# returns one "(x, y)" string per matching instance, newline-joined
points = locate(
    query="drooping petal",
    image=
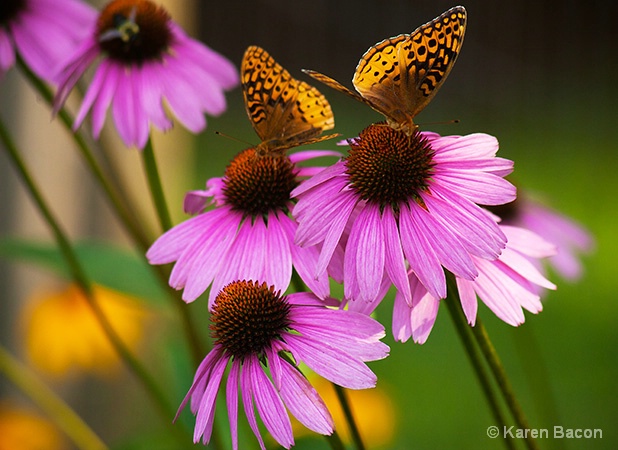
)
(246, 389)
(7, 54)
(467, 297)
(401, 321)
(304, 402)
(204, 418)
(448, 249)
(365, 255)
(395, 260)
(420, 255)
(278, 264)
(269, 404)
(231, 396)
(305, 261)
(424, 313)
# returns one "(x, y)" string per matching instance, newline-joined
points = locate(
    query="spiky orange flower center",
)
(247, 317)
(134, 31)
(257, 185)
(388, 167)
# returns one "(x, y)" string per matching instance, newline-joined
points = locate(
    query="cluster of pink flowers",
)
(409, 211)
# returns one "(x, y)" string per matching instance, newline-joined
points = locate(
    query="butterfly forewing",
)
(427, 57)
(284, 112)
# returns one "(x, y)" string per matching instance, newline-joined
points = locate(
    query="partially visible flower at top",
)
(22, 429)
(505, 285)
(63, 336)
(42, 32)
(401, 202)
(570, 238)
(255, 328)
(147, 60)
(249, 233)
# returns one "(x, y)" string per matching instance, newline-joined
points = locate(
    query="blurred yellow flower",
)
(373, 411)
(21, 429)
(62, 333)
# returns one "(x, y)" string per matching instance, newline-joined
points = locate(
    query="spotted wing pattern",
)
(399, 76)
(284, 112)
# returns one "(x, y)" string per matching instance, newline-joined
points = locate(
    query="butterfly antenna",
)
(233, 138)
(446, 122)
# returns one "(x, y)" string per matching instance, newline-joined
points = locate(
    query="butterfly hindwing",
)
(428, 56)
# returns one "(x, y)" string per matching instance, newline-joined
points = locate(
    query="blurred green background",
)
(543, 78)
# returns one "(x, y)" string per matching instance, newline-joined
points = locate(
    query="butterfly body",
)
(285, 112)
(399, 76)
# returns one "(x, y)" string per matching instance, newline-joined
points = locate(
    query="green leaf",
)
(105, 264)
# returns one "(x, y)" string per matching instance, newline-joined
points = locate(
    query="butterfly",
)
(285, 112)
(399, 76)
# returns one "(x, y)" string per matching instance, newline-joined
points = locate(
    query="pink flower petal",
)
(232, 401)
(365, 255)
(331, 363)
(420, 255)
(269, 404)
(304, 402)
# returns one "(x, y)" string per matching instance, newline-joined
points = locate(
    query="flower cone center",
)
(388, 167)
(9, 9)
(247, 317)
(134, 31)
(256, 185)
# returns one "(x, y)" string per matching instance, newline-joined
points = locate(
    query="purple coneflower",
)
(248, 235)
(505, 285)
(401, 202)
(261, 332)
(42, 32)
(148, 60)
(569, 237)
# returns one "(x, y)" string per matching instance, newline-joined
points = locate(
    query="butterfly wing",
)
(284, 112)
(401, 75)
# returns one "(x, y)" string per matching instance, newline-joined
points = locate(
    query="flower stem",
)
(83, 282)
(335, 441)
(535, 369)
(495, 364)
(347, 413)
(66, 419)
(461, 325)
(118, 206)
(156, 189)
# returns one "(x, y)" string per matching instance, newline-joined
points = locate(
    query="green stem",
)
(158, 197)
(533, 365)
(156, 189)
(347, 413)
(118, 205)
(335, 441)
(495, 364)
(461, 325)
(83, 282)
(66, 419)
(121, 208)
